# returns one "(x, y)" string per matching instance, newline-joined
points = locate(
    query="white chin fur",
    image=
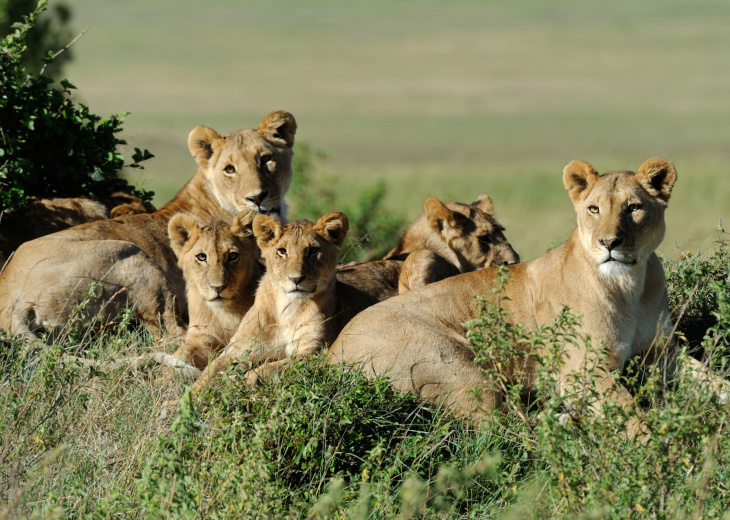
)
(611, 269)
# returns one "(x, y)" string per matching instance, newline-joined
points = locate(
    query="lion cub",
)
(296, 297)
(449, 239)
(221, 270)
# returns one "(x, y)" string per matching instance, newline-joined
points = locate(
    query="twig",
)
(64, 49)
(6, 262)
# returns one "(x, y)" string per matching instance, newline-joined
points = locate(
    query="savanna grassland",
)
(433, 98)
(437, 99)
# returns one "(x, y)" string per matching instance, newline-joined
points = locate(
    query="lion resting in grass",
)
(128, 261)
(40, 217)
(296, 300)
(607, 271)
(467, 235)
(220, 263)
(447, 239)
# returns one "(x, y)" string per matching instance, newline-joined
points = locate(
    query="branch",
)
(50, 60)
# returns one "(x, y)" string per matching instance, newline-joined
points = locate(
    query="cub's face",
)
(216, 258)
(248, 169)
(620, 214)
(301, 257)
(471, 232)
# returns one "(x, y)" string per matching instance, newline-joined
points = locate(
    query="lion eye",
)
(485, 239)
(201, 257)
(281, 251)
(229, 169)
(232, 257)
(593, 209)
(633, 208)
(313, 251)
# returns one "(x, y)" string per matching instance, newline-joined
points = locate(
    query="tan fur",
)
(296, 298)
(42, 217)
(449, 239)
(446, 240)
(607, 271)
(221, 269)
(475, 239)
(130, 256)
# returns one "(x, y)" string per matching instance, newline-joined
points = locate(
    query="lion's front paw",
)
(253, 379)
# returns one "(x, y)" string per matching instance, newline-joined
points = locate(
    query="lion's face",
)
(216, 258)
(621, 213)
(248, 169)
(471, 232)
(301, 256)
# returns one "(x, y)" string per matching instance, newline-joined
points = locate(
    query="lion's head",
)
(251, 168)
(301, 256)
(217, 258)
(471, 232)
(620, 213)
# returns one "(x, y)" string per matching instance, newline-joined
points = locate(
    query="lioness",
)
(41, 217)
(221, 269)
(607, 271)
(128, 260)
(447, 239)
(297, 297)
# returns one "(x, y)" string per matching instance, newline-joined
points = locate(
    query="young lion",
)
(447, 239)
(220, 265)
(297, 296)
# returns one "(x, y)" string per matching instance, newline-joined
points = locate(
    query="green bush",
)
(694, 282)
(273, 452)
(51, 33)
(49, 146)
(586, 466)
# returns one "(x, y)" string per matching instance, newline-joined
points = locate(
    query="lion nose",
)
(256, 199)
(296, 280)
(219, 288)
(610, 243)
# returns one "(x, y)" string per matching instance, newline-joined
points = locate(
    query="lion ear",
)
(267, 230)
(242, 225)
(440, 217)
(484, 203)
(578, 176)
(200, 143)
(657, 176)
(179, 230)
(279, 128)
(333, 227)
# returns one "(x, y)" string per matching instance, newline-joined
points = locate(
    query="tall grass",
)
(325, 442)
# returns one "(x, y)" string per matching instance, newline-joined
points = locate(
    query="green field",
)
(449, 99)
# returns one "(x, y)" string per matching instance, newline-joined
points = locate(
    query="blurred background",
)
(446, 99)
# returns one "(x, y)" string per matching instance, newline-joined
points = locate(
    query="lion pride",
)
(128, 261)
